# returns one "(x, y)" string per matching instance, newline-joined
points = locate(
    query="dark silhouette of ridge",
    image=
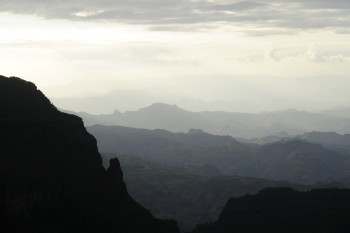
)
(51, 173)
(274, 210)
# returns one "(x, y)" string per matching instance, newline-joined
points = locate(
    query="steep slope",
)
(51, 174)
(276, 210)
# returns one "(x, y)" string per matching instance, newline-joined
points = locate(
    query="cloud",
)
(314, 53)
(327, 4)
(239, 6)
(281, 15)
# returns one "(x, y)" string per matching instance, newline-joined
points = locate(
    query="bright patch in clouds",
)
(166, 44)
(87, 13)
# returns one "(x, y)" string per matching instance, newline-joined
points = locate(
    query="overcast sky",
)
(279, 54)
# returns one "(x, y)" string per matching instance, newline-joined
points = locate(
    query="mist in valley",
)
(172, 116)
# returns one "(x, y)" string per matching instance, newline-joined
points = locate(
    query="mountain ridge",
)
(51, 173)
(246, 125)
(293, 160)
(284, 210)
(183, 193)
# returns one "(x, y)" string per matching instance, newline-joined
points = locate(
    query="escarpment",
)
(51, 173)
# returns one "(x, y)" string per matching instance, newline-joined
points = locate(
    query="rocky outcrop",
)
(285, 210)
(51, 174)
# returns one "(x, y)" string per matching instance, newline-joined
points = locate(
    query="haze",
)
(202, 55)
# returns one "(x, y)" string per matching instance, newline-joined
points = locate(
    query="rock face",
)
(275, 210)
(51, 174)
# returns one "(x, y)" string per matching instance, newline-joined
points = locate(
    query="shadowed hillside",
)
(275, 210)
(331, 140)
(292, 160)
(180, 194)
(52, 178)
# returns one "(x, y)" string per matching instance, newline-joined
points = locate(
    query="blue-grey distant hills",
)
(292, 160)
(330, 140)
(246, 125)
(340, 111)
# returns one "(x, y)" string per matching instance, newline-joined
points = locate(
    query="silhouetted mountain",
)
(247, 125)
(178, 193)
(292, 160)
(51, 173)
(275, 210)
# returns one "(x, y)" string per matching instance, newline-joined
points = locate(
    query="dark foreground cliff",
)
(275, 210)
(51, 174)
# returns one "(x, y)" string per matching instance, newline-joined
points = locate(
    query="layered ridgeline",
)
(246, 125)
(178, 193)
(51, 173)
(275, 210)
(292, 160)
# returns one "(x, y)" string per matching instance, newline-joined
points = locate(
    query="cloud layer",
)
(275, 16)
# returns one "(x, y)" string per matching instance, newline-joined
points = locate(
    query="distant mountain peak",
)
(195, 131)
(116, 112)
(161, 106)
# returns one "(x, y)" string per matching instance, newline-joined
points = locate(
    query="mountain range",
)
(52, 177)
(331, 140)
(246, 125)
(191, 195)
(292, 160)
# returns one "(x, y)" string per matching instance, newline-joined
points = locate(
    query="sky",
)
(226, 54)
